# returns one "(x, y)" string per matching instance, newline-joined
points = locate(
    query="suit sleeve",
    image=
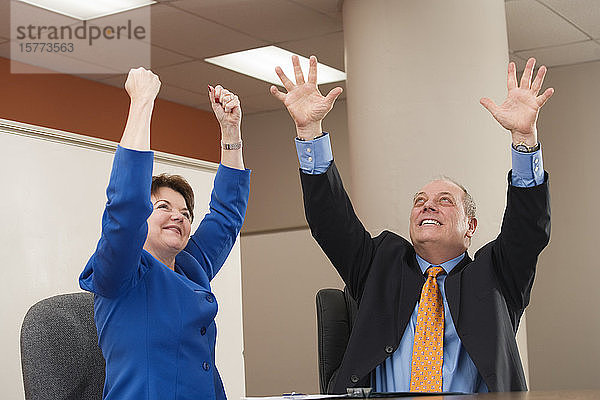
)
(211, 243)
(115, 265)
(524, 234)
(337, 229)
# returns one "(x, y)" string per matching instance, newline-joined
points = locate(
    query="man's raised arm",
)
(329, 212)
(526, 224)
(518, 114)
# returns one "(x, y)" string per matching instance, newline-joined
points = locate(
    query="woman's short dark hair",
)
(178, 184)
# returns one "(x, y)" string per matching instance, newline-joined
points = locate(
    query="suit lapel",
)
(412, 283)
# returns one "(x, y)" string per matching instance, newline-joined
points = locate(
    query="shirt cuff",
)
(527, 168)
(315, 156)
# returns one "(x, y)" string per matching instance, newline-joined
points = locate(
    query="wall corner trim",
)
(74, 139)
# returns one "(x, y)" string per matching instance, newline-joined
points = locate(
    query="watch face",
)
(522, 148)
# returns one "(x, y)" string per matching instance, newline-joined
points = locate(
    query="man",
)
(430, 318)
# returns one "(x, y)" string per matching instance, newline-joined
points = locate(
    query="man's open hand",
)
(519, 111)
(303, 100)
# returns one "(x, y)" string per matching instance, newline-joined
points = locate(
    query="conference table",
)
(593, 394)
(531, 395)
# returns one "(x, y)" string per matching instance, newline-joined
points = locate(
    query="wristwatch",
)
(316, 137)
(231, 146)
(523, 148)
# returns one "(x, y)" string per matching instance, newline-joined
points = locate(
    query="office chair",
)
(60, 356)
(336, 312)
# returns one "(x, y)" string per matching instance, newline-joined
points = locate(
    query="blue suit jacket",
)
(156, 326)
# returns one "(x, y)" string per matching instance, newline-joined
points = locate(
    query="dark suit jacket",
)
(486, 296)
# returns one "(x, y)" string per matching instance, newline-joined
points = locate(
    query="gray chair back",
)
(60, 356)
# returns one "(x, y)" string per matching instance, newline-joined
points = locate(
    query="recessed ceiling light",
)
(260, 63)
(86, 10)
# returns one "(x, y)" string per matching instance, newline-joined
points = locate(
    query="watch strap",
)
(523, 148)
(231, 146)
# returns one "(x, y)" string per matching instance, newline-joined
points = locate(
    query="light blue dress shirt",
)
(459, 373)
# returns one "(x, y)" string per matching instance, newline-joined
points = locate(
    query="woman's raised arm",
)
(142, 86)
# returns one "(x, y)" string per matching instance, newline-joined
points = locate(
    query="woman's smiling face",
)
(169, 225)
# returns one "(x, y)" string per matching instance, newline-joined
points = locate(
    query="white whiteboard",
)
(51, 203)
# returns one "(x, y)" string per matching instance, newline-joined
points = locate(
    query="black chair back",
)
(336, 312)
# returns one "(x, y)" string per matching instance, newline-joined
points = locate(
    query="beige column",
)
(416, 71)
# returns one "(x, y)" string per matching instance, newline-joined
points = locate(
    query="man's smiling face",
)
(438, 219)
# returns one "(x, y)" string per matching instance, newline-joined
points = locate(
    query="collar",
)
(447, 265)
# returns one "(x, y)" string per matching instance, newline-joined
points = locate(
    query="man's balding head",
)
(442, 220)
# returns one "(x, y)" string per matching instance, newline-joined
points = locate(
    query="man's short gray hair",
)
(468, 202)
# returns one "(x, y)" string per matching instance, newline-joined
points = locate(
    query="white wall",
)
(269, 150)
(51, 207)
(563, 319)
(282, 273)
(282, 266)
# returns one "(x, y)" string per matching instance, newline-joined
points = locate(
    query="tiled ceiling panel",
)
(566, 54)
(193, 36)
(333, 8)
(184, 32)
(269, 20)
(585, 14)
(183, 96)
(532, 25)
(329, 48)
(258, 103)
(196, 75)
(162, 57)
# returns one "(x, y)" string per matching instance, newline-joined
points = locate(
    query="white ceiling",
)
(184, 32)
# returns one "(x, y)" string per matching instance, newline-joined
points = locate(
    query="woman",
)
(154, 309)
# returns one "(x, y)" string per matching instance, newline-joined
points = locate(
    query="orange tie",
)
(428, 353)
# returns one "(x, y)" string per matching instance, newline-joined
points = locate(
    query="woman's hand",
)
(228, 111)
(142, 85)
